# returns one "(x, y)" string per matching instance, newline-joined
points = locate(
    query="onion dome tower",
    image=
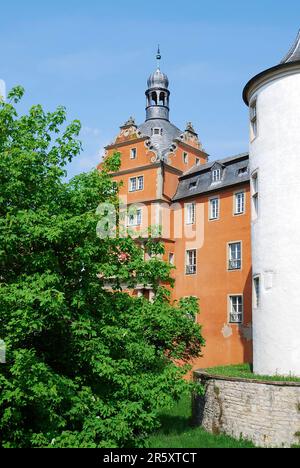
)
(273, 97)
(157, 125)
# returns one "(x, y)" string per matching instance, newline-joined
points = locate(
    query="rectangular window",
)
(235, 256)
(132, 184)
(190, 213)
(214, 208)
(136, 184)
(141, 183)
(216, 175)
(133, 153)
(239, 202)
(255, 194)
(236, 309)
(256, 292)
(171, 258)
(191, 262)
(135, 218)
(197, 161)
(185, 158)
(253, 120)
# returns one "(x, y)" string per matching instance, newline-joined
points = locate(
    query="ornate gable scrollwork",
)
(190, 137)
(128, 131)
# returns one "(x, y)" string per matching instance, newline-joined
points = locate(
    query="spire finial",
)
(158, 57)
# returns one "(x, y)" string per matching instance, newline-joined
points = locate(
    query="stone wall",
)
(266, 413)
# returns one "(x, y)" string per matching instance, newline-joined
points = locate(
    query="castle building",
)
(205, 210)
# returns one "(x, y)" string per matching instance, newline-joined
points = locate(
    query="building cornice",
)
(126, 143)
(267, 76)
(190, 147)
(147, 168)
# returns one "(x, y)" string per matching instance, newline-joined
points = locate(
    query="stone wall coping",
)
(210, 376)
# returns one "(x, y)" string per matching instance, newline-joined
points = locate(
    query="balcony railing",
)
(191, 269)
(235, 264)
(236, 318)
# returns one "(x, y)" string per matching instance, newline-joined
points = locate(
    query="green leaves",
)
(85, 367)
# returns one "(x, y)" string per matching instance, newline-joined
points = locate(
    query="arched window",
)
(154, 99)
(162, 98)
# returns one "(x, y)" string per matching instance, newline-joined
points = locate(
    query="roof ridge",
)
(206, 166)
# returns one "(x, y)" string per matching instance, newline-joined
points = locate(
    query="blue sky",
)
(94, 57)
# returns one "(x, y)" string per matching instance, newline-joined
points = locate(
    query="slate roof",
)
(198, 180)
(294, 53)
(161, 143)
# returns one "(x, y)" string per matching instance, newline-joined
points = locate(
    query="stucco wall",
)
(275, 154)
(266, 413)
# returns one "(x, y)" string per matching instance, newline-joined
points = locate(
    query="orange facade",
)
(203, 210)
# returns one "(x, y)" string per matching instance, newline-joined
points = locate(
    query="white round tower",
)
(274, 101)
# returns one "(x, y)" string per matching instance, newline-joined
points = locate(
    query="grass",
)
(177, 432)
(244, 371)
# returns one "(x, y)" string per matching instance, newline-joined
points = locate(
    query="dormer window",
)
(216, 175)
(243, 171)
(157, 131)
(193, 185)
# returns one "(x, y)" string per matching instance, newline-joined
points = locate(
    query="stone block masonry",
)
(266, 413)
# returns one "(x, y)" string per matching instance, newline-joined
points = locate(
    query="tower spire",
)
(158, 57)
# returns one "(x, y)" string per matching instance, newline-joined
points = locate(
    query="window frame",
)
(193, 266)
(137, 218)
(256, 297)
(255, 194)
(217, 179)
(173, 258)
(185, 157)
(253, 119)
(229, 244)
(210, 217)
(131, 153)
(137, 189)
(230, 309)
(190, 221)
(235, 194)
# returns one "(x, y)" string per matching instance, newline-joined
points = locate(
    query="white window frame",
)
(136, 217)
(256, 294)
(255, 194)
(190, 213)
(191, 267)
(214, 216)
(198, 161)
(133, 153)
(134, 184)
(185, 158)
(140, 186)
(239, 311)
(253, 120)
(236, 203)
(216, 175)
(234, 264)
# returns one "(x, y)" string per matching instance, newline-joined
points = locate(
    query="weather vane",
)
(158, 57)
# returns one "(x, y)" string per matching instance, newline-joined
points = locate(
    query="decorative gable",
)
(129, 131)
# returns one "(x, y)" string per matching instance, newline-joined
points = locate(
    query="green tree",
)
(85, 367)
